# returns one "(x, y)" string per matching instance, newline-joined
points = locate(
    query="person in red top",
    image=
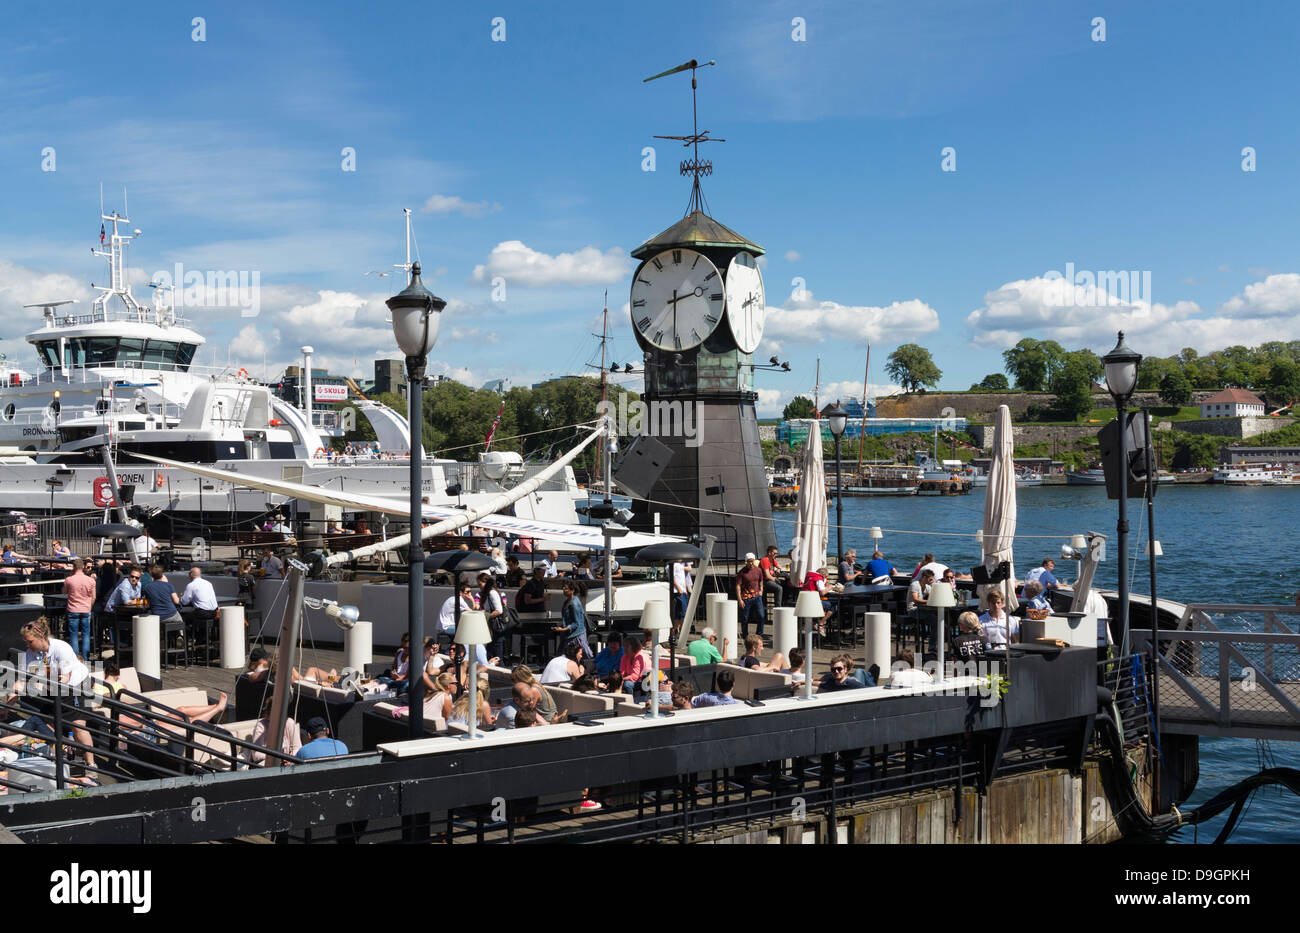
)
(815, 580)
(749, 593)
(633, 667)
(772, 576)
(79, 587)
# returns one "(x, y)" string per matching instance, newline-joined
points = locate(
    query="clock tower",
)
(697, 308)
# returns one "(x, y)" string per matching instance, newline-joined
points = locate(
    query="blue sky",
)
(523, 160)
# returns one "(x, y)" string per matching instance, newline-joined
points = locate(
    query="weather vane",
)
(692, 166)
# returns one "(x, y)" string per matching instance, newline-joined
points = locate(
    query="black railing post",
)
(58, 737)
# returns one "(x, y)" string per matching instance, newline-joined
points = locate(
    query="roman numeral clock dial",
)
(677, 299)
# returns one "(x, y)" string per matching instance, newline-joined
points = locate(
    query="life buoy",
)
(158, 480)
(100, 492)
(319, 454)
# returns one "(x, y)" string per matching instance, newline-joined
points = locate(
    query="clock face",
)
(677, 299)
(746, 306)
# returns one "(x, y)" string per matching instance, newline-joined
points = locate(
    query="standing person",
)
(514, 576)
(683, 581)
(447, 614)
(998, 626)
(144, 546)
(532, 595)
(749, 593)
(163, 601)
(772, 576)
(1044, 575)
(704, 649)
(80, 590)
(493, 606)
(574, 616)
(247, 584)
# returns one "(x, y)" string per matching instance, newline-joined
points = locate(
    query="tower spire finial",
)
(693, 166)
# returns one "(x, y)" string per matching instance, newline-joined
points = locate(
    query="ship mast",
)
(862, 434)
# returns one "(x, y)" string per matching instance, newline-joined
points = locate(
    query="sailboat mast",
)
(862, 434)
(817, 384)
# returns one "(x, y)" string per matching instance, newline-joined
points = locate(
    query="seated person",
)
(633, 667)
(795, 670)
(878, 570)
(840, 676)
(906, 673)
(608, 658)
(1034, 598)
(704, 649)
(290, 742)
(544, 701)
(751, 660)
(848, 569)
(969, 643)
(683, 693)
(724, 682)
(523, 697)
(321, 745)
(999, 628)
(259, 665)
(395, 677)
(514, 575)
(816, 580)
(587, 683)
(564, 667)
(162, 596)
(460, 709)
(919, 591)
(532, 595)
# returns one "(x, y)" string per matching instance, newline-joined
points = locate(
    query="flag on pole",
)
(101, 234)
(493, 430)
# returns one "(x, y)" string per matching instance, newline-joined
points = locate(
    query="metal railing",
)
(128, 740)
(1231, 667)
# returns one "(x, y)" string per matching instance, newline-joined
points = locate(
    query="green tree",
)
(1175, 387)
(1033, 362)
(912, 367)
(800, 407)
(993, 382)
(1283, 381)
(1071, 382)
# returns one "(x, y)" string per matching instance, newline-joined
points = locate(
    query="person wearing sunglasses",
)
(127, 591)
(840, 676)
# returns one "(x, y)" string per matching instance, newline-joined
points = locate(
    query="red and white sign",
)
(329, 393)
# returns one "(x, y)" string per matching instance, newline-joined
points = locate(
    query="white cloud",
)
(793, 256)
(21, 285)
(443, 204)
(805, 320)
(249, 344)
(762, 262)
(771, 402)
(1264, 311)
(521, 265)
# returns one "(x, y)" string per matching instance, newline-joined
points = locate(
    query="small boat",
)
(1256, 475)
(1092, 477)
(1028, 478)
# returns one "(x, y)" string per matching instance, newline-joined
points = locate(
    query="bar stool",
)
(171, 630)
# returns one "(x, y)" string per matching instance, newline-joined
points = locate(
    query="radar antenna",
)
(693, 166)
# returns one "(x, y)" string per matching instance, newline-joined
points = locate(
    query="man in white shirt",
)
(683, 580)
(551, 564)
(144, 547)
(199, 592)
(447, 614)
(906, 674)
(271, 565)
(935, 567)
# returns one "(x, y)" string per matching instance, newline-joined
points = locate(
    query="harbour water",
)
(1220, 545)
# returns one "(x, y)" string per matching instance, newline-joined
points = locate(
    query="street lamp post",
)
(1121, 379)
(838, 419)
(416, 315)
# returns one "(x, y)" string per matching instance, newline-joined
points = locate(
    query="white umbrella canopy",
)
(811, 521)
(1000, 509)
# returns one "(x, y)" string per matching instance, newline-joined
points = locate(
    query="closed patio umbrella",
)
(811, 522)
(1000, 509)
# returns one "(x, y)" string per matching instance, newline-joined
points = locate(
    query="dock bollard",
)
(876, 635)
(785, 632)
(145, 648)
(232, 636)
(357, 647)
(727, 625)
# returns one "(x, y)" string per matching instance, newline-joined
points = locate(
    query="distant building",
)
(496, 385)
(1232, 403)
(795, 432)
(1240, 455)
(390, 376)
(325, 389)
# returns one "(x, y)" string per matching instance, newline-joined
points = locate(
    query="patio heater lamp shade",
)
(876, 533)
(669, 551)
(654, 616)
(809, 605)
(1158, 550)
(114, 530)
(473, 628)
(457, 561)
(1079, 542)
(941, 596)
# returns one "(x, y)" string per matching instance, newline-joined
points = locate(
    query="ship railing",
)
(128, 740)
(1230, 666)
(1128, 679)
(103, 314)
